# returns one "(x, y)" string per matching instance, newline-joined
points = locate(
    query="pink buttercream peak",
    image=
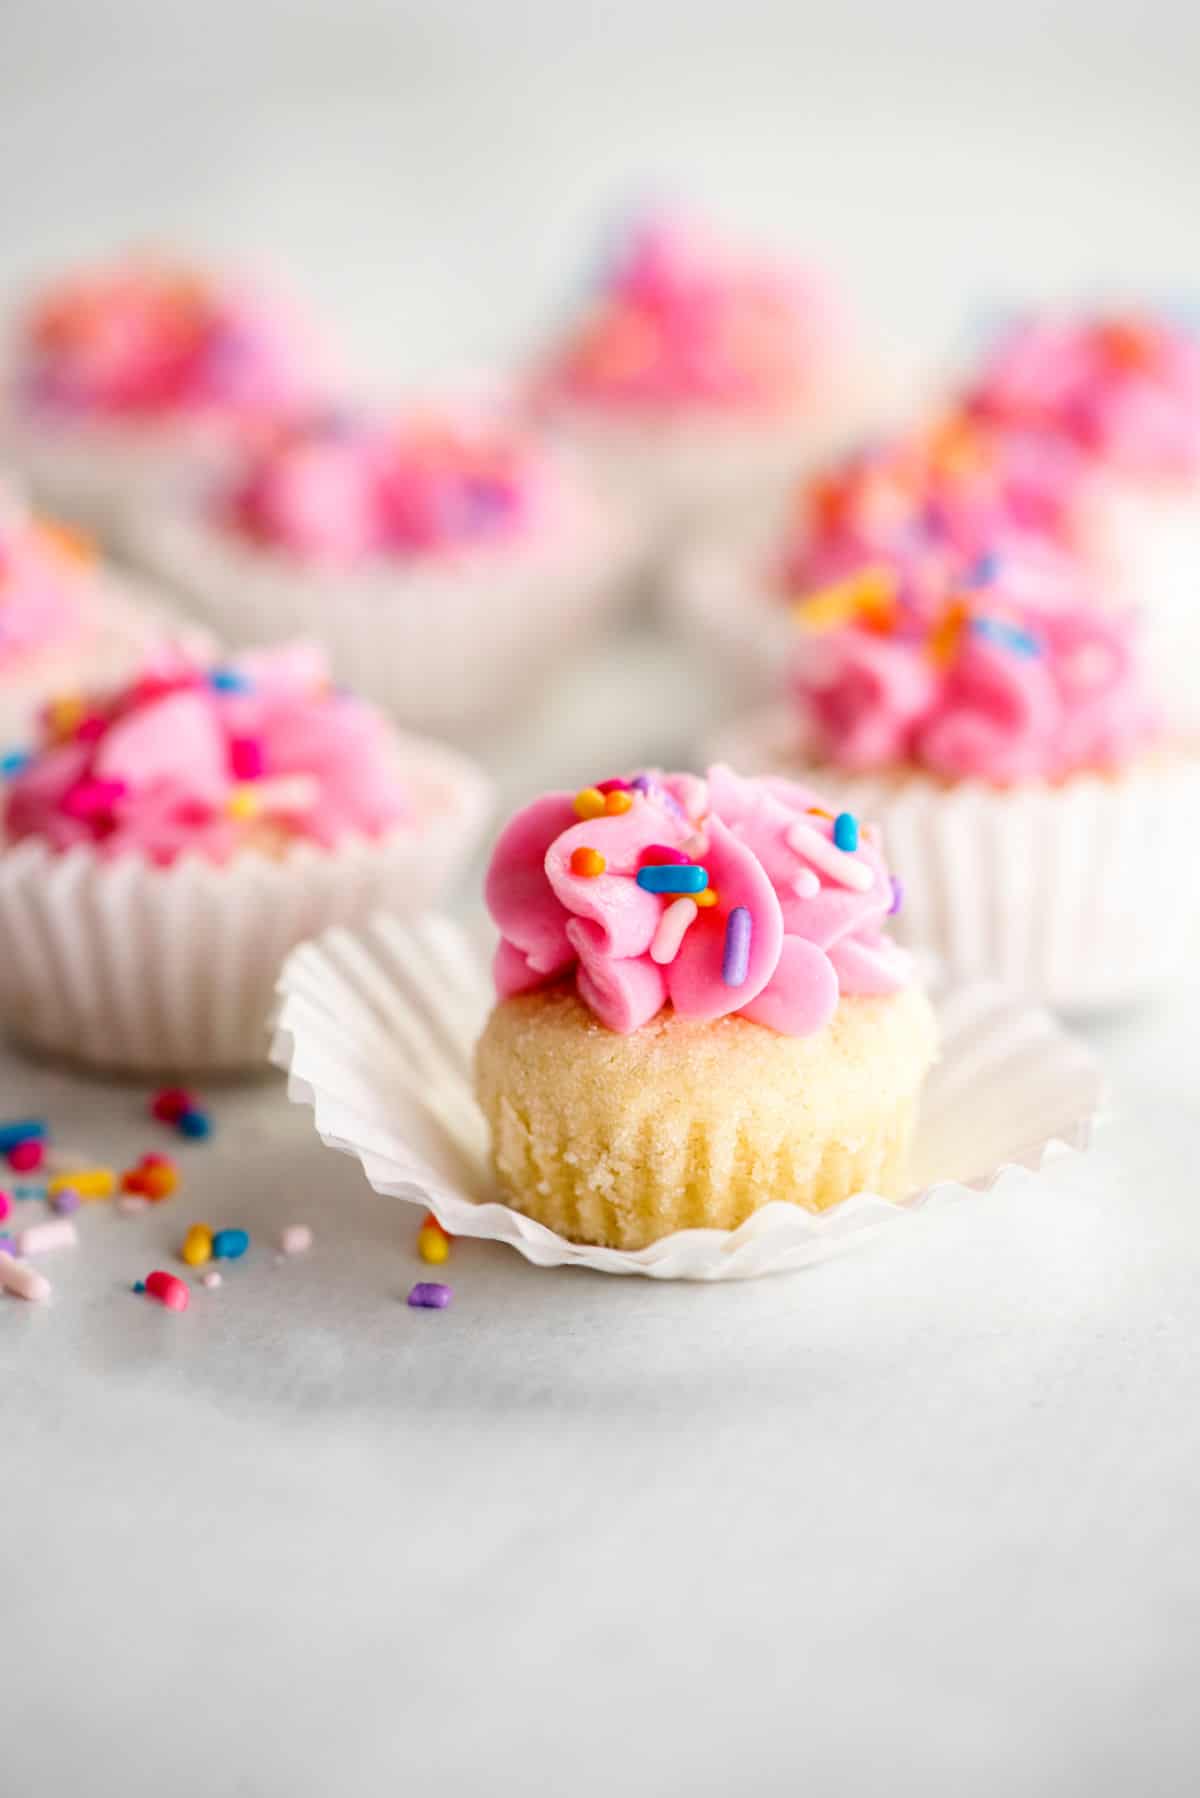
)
(635, 934)
(685, 320)
(1019, 674)
(343, 488)
(192, 760)
(144, 338)
(1122, 387)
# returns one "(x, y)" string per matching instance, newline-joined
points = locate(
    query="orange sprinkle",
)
(589, 803)
(588, 862)
(818, 811)
(71, 544)
(708, 897)
(945, 636)
(617, 801)
(870, 594)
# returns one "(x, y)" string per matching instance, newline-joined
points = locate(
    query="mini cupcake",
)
(699, 1009)
(442, 557)
(702, 376)
(904, 511)
(1120, 392)
(123, 377)
(1004, 736)
(65, 620)
(169, 844)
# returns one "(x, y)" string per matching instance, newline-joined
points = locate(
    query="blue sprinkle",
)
(230, 1245)
(12, 762)
(735, 963)
(139, 1286)
(985, 571)
(670, 877)
(23, 1130)
(845, 832)
(1008, 636)
(25, 1191)
(196, 1124)
(228, 680)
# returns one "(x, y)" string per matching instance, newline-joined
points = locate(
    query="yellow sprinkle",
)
(64, 715)
(870, 594)
(617, 801)
(243, 803)
(589, 803)
(432, 1245)
(708, 897)
(197, 1246)
(88, 1182)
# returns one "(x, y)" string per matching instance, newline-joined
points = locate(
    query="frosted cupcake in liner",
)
(701, 375)
(1119, 392)
(443, 557)
(1004, 737)
(66, 621)
(699, 1009)
(124, 377)
(172, 840)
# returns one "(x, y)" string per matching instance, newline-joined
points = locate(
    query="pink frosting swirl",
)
(46, 578)
(686, 321)
(189, 760)
(337, 488)
(1123, 388)
(808, 915)
(146, 340)
(1015, 678)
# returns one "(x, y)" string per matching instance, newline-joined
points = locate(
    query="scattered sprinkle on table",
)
(168, 1289)
(22, 1281)
(430, 1295)
(296, 1239)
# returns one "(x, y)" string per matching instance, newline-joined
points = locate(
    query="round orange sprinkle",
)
(617, 801)
(589, 803)
(708, 897)
(588, 862)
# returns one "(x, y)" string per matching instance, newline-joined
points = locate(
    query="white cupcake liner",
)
(125, 966)
(377, 1033)
(96, 473)
(123, 620)
(1082, 894)
(446, 649)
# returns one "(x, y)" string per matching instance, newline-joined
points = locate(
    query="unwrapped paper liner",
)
(1082, 895)
(377, 1032)
(122, 965)
(446, 648)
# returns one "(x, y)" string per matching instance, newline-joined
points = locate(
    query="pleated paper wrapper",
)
(377, 1031)
(129, 967)
(449, 649)
(1083, 894)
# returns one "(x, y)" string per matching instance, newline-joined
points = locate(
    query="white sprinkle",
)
(210, 1279)
(845, 869)
(23, 1282)
(59, 1233)
(130, 1203)
(672, 928)
(296, 1239)
(806, 884)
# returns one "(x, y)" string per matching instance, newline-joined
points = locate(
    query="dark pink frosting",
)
(1124, 388)
(816, 912)
(1020, 674)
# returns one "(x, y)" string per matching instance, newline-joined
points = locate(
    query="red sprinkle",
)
(24, 1157)
(169, 1104)
(429, 1222)
(168, 1290)
(656, 855)
(613, 786)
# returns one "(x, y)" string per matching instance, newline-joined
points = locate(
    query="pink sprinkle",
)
(90, 798)
(247, 758)
(23, 1157)
(92, 728)
(613, 786)
(5, 1205)
(657, 855)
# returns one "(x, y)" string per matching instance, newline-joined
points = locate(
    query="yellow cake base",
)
(622, 1139)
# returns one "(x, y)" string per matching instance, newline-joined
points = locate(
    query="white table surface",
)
(920, 1519)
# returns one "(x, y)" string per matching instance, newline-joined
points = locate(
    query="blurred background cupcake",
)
(1002, 731)
(700, 374)
(121, 377)
(167, 845)
(443, 556)
(66, 620)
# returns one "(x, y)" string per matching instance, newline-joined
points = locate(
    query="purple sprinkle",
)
(430, 1295)
(735, 964)
(66, 1201)
(897, 895)
(7, 1244)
